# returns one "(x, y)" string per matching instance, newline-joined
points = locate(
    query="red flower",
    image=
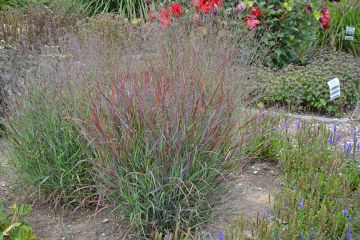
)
(256, 12)
(325, 19)
(207, 6)
(252, 22)
(165, 15)
(177, 9)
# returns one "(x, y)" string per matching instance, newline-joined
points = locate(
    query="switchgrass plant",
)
(167, 130)
(163, 116)
(47, 151)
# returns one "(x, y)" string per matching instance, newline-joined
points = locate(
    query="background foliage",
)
(345, 13)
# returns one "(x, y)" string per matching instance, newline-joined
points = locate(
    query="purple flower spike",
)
(221, 235)
(298, 126)
(349, 148)
(286, 126)
(331, 141)
(346, 212)
(338, 138)
(358, 146)
(302, 203)
(278, 236)
(350, 219)
(312, 235)
(349, 233)
(335, 128)
(167, 236)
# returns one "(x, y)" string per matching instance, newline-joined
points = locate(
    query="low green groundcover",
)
(305, 88)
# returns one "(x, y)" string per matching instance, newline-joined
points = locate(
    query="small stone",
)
(103, 234)
(255, 172)
(105, 220)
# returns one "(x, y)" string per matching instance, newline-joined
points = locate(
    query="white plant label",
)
(349, 38)
(334, 88)
(350, 30)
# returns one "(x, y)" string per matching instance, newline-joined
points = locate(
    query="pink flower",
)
(252, 22)
(195, 3)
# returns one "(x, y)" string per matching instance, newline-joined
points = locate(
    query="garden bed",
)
(143, 128)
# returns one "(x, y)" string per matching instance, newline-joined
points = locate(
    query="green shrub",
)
(305, 88)
(13, 226)
(47, 150)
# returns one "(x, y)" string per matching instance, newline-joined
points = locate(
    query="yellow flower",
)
(136, 22)
(287, 6)
(250, 3)
(317, 15)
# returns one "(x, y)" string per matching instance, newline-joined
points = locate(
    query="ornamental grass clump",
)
(152, 126)
(167, 129)
(45, 148)
(47, 151)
